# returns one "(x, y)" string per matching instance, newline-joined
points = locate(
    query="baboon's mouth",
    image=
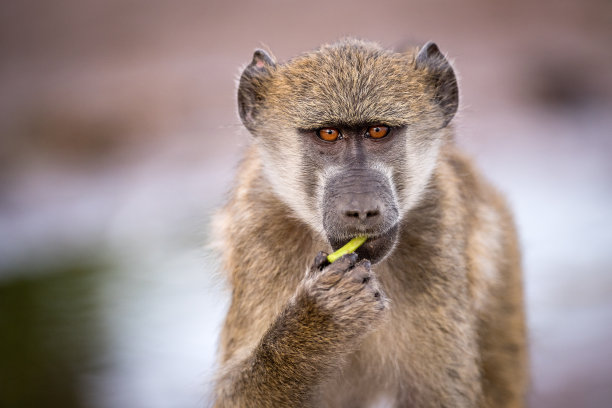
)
(376, 248)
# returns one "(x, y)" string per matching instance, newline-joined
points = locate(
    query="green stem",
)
(350, 246)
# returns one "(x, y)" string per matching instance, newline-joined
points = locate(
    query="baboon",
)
(353, 139)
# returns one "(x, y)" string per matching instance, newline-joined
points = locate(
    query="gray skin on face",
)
(357, 198)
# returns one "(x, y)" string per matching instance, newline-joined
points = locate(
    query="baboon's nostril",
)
(372, 213)
(354, 214)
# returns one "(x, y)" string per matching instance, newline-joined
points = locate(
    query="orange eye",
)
(378, 132)
(329, 134)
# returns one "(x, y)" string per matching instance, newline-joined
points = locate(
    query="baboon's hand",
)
(349, 290)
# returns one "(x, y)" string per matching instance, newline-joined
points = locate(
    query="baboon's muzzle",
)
(359, 201)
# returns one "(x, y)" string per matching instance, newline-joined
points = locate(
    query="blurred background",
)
(119, 137)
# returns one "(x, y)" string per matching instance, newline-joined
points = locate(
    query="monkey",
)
(355, 139)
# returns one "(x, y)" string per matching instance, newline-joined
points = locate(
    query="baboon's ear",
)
(250, 89)
(442, 78)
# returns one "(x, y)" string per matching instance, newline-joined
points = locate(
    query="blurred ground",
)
(119, 137)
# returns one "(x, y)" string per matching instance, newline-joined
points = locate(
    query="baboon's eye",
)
(378, 132)
(329, 134)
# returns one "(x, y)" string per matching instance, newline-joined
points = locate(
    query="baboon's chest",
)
(374, 375)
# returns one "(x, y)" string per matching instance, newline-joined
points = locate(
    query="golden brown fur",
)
(448, 330)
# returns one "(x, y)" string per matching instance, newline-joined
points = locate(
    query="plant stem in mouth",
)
(350, 246)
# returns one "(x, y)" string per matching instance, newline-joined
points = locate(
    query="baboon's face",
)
(349, 135)
(356, 191)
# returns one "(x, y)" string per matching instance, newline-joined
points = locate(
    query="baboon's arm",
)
(286, 364)
(323, 321)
